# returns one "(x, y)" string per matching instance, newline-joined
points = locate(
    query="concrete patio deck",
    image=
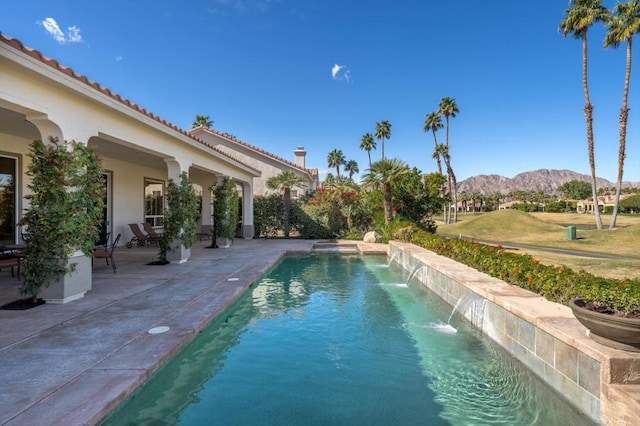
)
(72, 364)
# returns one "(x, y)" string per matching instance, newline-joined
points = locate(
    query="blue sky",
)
(262, 70)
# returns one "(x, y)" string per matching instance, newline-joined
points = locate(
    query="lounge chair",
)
(140, 237)
(106, 253)
(151, 231)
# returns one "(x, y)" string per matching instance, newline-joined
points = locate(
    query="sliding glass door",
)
(8, 199)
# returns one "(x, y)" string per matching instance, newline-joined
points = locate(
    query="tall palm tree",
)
(202, 120)
(449, 108)
(383, 131)
(579, 17)
(443, 151)
(433, 122)
(624, 23)
(351, 167)
(367, 143)
(335, 159)
(284, 181)
(383, 173)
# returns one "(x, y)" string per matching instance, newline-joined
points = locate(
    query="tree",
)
(575, 190)
(579, 17)
(432, 123)
(383, 131)
(623, 24)
(367, 143)
(351, 167)
(336, 159)
(443, 151)
(284, 182)
(383, 173)
(202, 120)
(449, 108)
(416, 199)
(179, 216)
(631, 204)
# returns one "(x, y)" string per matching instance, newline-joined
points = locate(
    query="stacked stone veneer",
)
(602, 382)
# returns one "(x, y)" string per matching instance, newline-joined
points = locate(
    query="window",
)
(154, 202)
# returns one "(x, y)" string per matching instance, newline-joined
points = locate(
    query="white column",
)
(247, 211)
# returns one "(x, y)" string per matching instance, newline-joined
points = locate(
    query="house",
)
(604, 201)
(268, 164)
(140, 152)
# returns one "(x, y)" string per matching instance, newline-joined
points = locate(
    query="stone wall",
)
(602, 382)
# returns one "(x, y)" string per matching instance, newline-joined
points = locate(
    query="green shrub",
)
(267, 219)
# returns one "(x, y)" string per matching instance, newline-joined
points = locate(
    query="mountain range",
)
(543, 180)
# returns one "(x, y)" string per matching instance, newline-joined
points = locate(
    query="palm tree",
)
(383, 130)
(433, 122)
(579, 17)
(449, 108)
(284, 182)
(443, 151)
(384, 172)
(202, 120)
(367, 143)
(624, 23)
(351, 166)
(336, 159)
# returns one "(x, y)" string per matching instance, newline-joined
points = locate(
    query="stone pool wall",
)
(545, 336)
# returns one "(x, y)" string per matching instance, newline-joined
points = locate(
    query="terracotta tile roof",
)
(17, 44)
(254, 148)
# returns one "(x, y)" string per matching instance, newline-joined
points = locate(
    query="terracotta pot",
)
(607, 329)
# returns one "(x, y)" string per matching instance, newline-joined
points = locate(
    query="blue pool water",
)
(327, 340)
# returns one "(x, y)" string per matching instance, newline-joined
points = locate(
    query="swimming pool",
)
(342, 340)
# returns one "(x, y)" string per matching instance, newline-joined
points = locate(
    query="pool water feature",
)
(342, 340)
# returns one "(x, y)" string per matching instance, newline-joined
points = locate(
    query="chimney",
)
(300, 153)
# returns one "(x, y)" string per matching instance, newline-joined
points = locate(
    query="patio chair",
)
(10, 261)
(140, 237)
(151, 231)
(106, 253)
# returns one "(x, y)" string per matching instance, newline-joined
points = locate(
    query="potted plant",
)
(180, 217)
(225, 213)
(62, 222)
(608, 326)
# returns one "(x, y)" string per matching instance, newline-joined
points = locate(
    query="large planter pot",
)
(607, 329)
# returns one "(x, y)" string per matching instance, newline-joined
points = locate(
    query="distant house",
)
(267, 163)
(604, 201)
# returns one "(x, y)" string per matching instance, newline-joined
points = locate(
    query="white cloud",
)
(74, 35)
(51, 26)
(119, 58)
(340, 72)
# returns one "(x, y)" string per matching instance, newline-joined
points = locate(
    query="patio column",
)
(247, 211)
(177, 251)
(75, 284)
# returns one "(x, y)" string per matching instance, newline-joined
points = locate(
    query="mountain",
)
(543, 180)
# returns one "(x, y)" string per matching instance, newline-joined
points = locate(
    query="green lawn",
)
(549, 230)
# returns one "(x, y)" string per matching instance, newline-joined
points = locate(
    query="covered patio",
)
(140, 153)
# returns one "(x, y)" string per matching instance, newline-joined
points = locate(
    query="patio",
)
(73, 363)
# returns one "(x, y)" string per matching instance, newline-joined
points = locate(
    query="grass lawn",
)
(549, 230)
